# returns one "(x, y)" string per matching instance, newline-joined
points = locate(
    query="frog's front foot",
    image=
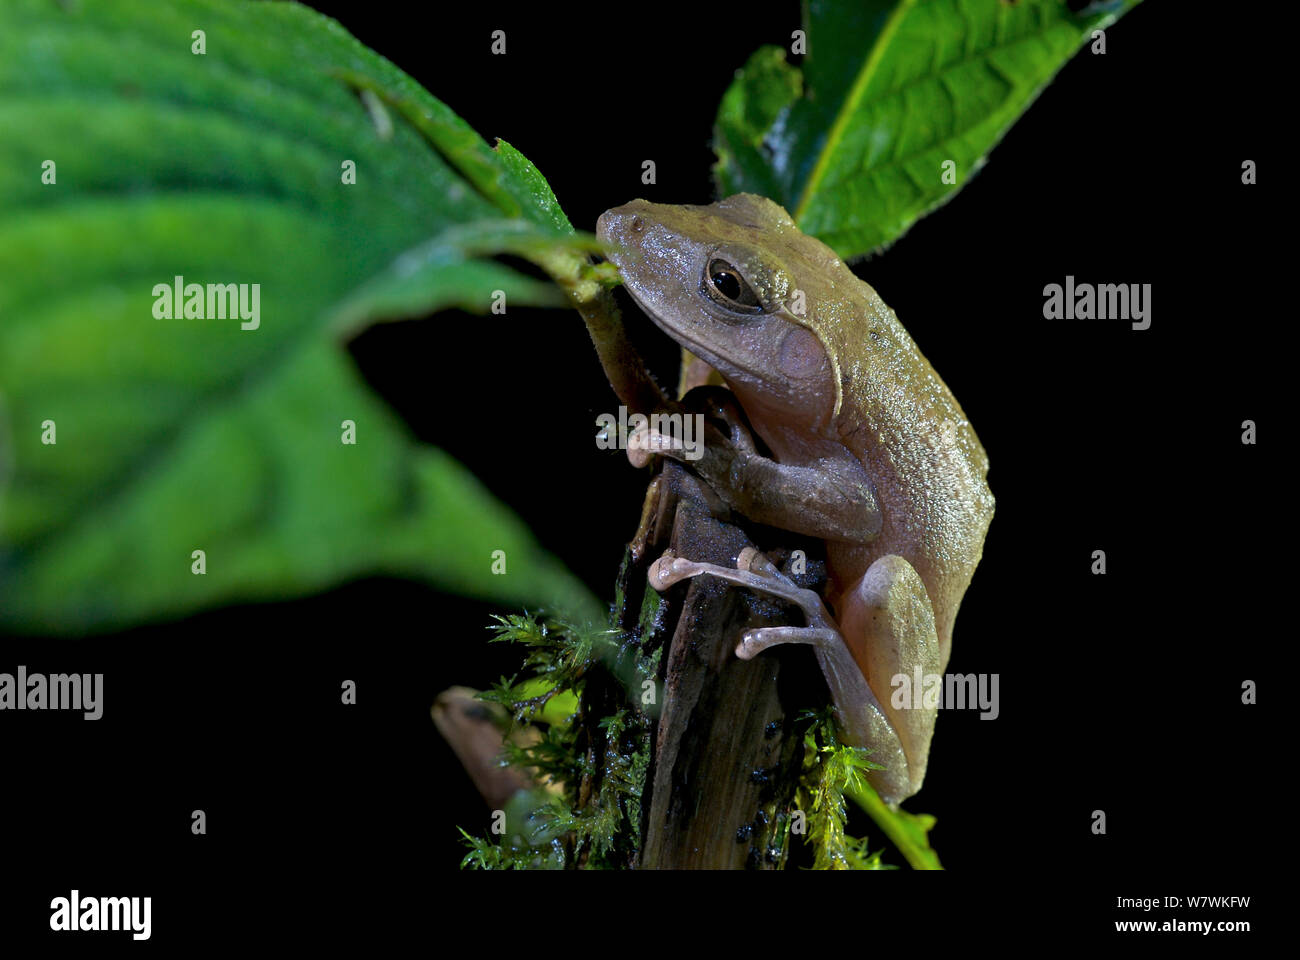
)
(713, 453)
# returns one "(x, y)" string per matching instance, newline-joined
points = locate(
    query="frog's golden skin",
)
(872, 452)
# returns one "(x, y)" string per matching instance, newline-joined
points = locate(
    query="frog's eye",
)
(724, 285)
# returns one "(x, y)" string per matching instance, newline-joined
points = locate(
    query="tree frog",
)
(870, 453)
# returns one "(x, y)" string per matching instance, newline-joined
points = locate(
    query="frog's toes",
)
(671, 569)
(643, 443)
(756, 641)
(663, 574)
(756, 561)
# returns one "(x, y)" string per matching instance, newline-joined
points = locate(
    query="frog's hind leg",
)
(888, 621)
(862, 717)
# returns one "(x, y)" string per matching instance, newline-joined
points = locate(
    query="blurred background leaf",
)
(853, 142)
(225, 166)
(185, 434)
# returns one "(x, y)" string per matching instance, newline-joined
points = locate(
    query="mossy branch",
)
(580, 826)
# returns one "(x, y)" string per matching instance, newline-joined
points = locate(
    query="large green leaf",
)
(194, 434)
(854, 144)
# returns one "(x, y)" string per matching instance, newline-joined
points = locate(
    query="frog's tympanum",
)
(871, 453)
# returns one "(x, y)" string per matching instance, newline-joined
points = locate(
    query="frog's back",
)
(928, 466)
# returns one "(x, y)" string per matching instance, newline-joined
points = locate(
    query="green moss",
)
(830, 771)
(597, 755)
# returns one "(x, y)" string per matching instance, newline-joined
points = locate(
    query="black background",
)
(1119, 693)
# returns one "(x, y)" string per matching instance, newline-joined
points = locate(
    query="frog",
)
(865, 449)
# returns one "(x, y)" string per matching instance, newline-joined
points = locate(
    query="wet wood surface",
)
(726, 754)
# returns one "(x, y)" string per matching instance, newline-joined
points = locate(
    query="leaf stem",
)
(906, 831)
(585, 285)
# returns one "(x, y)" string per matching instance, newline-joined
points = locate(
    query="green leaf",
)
(176, 435)
(538, 197)
(909, 832)
(854, 144)
(764, 88)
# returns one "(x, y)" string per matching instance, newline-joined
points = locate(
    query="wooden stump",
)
(726, 755)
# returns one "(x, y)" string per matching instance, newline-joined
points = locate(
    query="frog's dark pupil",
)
(726, 282)
(725, 285)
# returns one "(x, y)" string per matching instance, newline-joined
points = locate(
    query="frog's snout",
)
(622, 226)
